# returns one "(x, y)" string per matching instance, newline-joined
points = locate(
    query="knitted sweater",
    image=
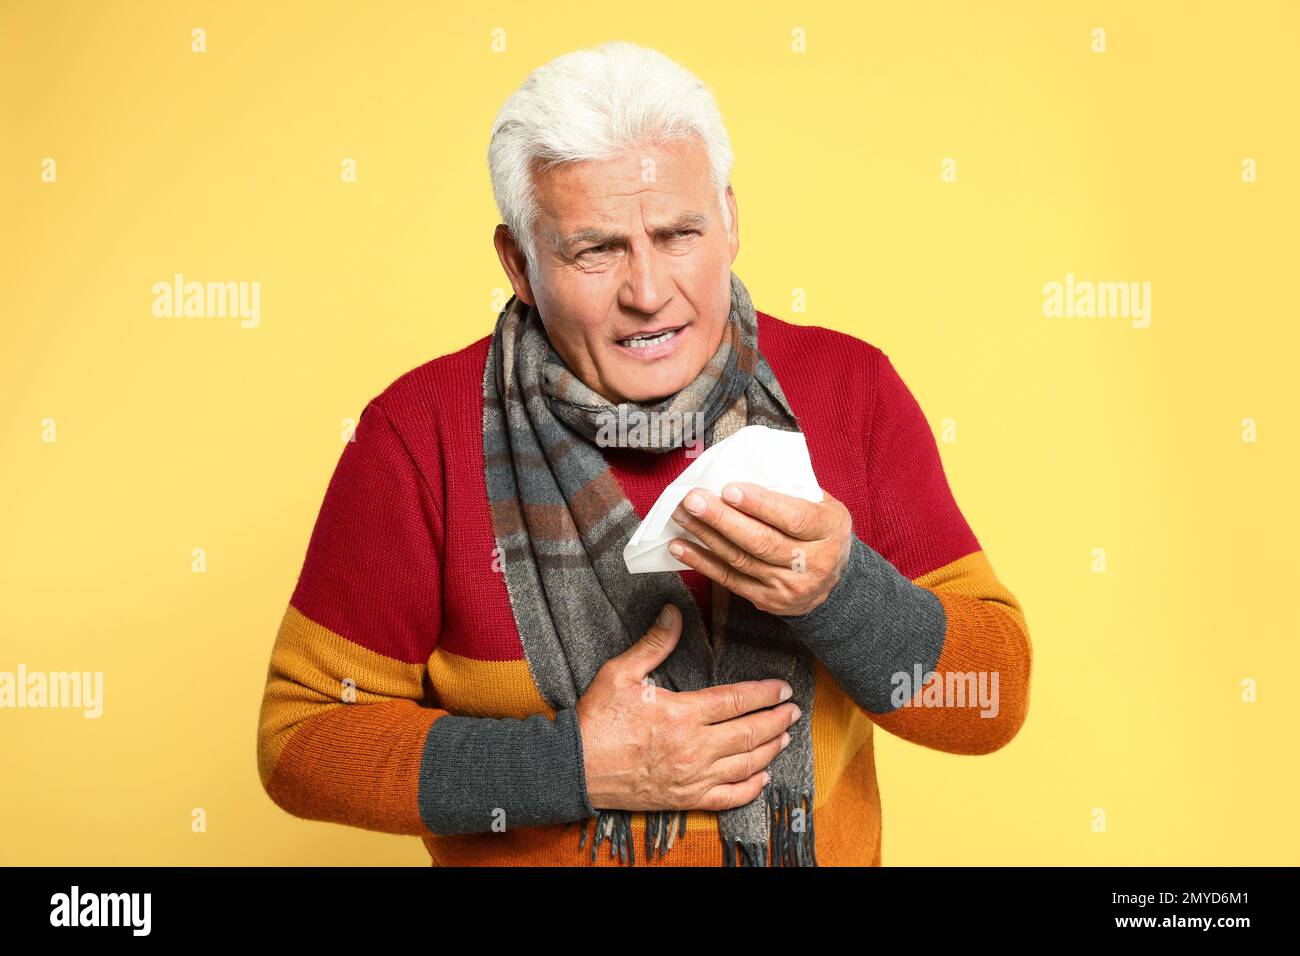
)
(398, 697)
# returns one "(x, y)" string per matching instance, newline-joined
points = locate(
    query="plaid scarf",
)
(561, 521)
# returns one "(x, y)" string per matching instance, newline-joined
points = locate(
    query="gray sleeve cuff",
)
(484, 774)
(874, 626)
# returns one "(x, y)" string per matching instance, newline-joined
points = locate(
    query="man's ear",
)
(733, 235)
(514, 262)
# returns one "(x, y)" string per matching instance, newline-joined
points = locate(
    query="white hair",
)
(590, 105)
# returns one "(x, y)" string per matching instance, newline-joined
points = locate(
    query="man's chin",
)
(645, 388)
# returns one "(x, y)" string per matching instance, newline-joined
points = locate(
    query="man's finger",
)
(725, 548)
(654, 646)
(716, 569)
(722, 702)
(764, 541)
(797, 517)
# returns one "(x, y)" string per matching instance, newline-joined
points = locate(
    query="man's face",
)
(633, 274)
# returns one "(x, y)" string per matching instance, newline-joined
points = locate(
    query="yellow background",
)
(1072, 434)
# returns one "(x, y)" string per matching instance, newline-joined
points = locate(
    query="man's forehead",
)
(598, 231)
(580, 201)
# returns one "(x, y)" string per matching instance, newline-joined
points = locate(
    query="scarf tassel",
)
(789, 847)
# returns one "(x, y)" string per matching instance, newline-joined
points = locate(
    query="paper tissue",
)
(764, 456)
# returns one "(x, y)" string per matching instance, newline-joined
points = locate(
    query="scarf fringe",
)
(789, 847)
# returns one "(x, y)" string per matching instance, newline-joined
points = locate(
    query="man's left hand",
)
(781, 553)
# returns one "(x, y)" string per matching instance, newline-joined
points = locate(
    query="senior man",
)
(466, 656)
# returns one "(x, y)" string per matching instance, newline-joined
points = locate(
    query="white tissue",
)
(775, 459)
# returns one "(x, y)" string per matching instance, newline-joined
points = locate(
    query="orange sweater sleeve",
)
(348, 732)
(985, 648)
(919, 631)
(344, 719)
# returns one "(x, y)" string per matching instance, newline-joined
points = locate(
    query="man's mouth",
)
(645, 340)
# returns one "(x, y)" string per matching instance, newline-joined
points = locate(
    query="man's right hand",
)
(649, 748)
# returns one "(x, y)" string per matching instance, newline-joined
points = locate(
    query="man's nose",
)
(646, 286)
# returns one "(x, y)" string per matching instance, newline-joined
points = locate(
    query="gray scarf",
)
(561, 522)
